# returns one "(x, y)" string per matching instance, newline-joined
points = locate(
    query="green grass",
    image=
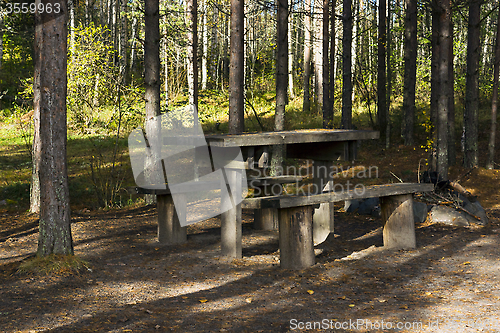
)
(54, 265)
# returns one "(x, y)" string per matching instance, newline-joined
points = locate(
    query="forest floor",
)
(449, 283)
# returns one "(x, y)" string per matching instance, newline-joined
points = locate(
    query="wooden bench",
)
(296, 221)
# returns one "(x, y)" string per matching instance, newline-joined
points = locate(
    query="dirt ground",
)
(448, 284)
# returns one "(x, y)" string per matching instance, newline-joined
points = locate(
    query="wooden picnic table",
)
(323, 146)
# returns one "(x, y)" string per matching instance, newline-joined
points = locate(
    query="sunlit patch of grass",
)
(60, 265)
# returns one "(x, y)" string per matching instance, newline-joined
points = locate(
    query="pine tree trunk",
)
(333, 58)
(281, 82)
(237, 70)
(327, 110)
(152, 86)
(381, 81)
(346, 65)
(306, 104)
(472, 86)
(444, 78)
(51, 35)
(435, 85)
(410, 71)
(494, 102)
(290, 57)
(389, 75)
(451, 103)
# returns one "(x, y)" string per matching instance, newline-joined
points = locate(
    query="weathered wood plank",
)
(375, 191)
(169, 229)
(289, 137)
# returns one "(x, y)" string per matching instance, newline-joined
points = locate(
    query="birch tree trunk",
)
(51, 34)
(290, 56)
(204, 56)
(123, 42)
(318, 55)
(192, 48)
(494, 101)
(327, 110)
(472, 86)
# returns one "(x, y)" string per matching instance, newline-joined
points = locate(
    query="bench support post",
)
(323, 216)
(231, 220)
(169, 229)
(296, 237)
(399, 229)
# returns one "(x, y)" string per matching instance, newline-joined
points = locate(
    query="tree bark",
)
(51, 34)
(444, 78)
(204, 56)
(192, 49)
(333, 59)
(123, 42)
(327, 110)
(290, 57)
(410, 71)
(346, 65)
(451, 103)
(435, 83)
(236, 70)
(472, 86)
(318, 56)
(381, 82)
(152, 86)
(494, 102)
(389, 75)
(306, 104)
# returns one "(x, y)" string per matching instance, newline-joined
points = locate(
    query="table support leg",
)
(399, 229)
(295, 237)
(169, 229)
(323, 218)
(231, 221)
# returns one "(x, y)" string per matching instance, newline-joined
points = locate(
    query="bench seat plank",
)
(286, 201)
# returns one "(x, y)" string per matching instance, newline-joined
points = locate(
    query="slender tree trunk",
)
(494, 102)
(306, 104)
(472, 86)
(444, 78)
(133, 53)
(381, 81)
(51, 34)
(237, 70)
(346, 65)
(71, 8)
(327, 110)
(204, 57)
(123, 42)
(451, 103)
(410, 71)
(333, 58)
(290, 56)
(318, 56)
(192, 63)
(389, 75)
(152, 84)
(281, 82)
(435, 83)
(165, 57)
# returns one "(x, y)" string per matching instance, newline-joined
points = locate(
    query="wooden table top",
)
(289, 137)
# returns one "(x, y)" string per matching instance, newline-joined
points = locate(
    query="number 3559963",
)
(32, 8)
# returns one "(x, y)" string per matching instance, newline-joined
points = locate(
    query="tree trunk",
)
(123, 43)
(51, 34)
(389, 75)
(494, 102)
(318, 56)
(451, 103)
(290, 57)
(165, 58)
(192, 48)
(381, 81)
(444, 78)
(237, 69)
(327, 110)
(435, 84)
(472, 86)
(133, 53)
(306, 104)
(333, 59)
(410, 71)
(152, 87)
(204, 56)
(281, 83)
(346, 65)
